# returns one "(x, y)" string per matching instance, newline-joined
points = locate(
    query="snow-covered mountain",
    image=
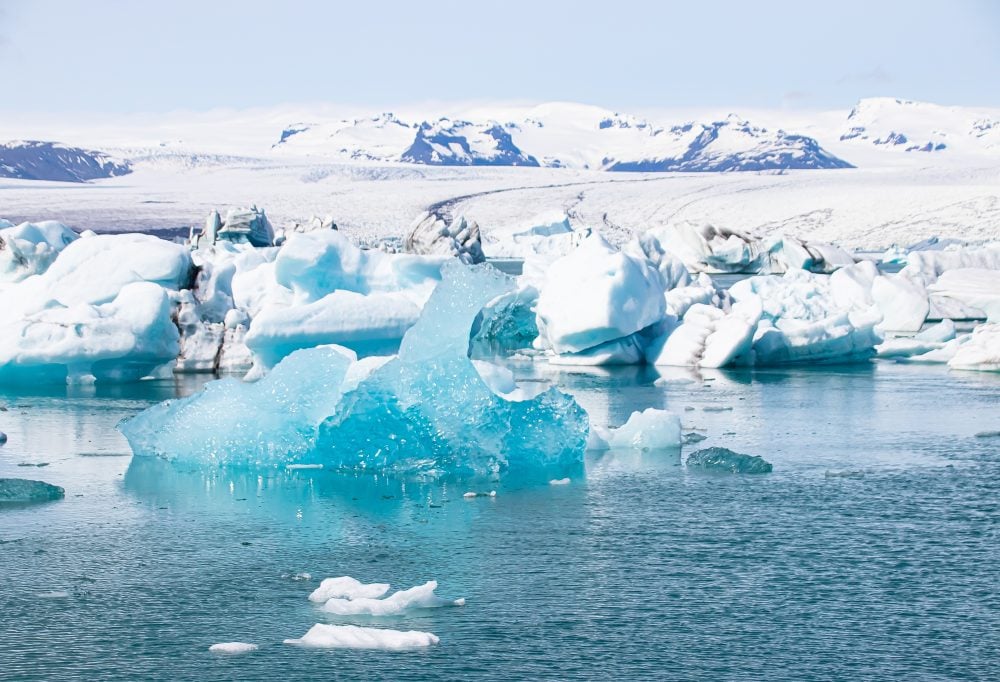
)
(564, 135)
(900, 125)
(37, 160)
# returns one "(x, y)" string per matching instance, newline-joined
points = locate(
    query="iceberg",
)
(322, 636)
(346, 587)
(650, 429)
(420, 597)
(233, 648)
(596, 294)
(322, 289)
(23, 491)
(100, 312)
(426, 411)
(726, 461)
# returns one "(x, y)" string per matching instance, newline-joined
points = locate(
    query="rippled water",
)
(871, 552)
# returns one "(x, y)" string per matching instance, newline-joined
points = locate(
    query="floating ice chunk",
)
(473, 494)
(725, 460)
(3, 438)
(233, 648)
(988, 434)
(322, 636)
(546, 234)
(559, 481)
(420, 597)
(977, 288)
(981, 351)
(346, 587)
(21, 490)
(926, 266)
(597, 294)
(651, 429)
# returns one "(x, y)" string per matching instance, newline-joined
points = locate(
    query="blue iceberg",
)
(425, 411)
(724, 460)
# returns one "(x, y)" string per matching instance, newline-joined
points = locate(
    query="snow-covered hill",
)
(563, 135)
(899, 125)
(36, 160)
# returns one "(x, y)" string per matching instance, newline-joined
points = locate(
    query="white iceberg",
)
(30, 248)
(981, 351)
(976, 288)
(233, 648)
(650, 429)
(322, 636)
(596, 294)
(346, 587)
(419, 597)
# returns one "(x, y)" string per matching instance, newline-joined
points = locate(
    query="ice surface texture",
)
(21, 490)
(726, 461)
(426, 411)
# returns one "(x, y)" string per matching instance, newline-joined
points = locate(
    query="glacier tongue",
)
(426, 411)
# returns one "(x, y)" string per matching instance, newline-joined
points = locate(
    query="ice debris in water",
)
(322, 636)
(3, 438)
(425, 411)
(651, 429)
(559, 481)
(346, 587)
(725, 460)
(22, 490)
(419, 597)
(988, 434)
(471, 494)
(232, 648)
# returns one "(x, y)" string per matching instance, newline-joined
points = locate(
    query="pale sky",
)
(116, 56)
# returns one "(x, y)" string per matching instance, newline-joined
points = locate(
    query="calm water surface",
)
(871, 552)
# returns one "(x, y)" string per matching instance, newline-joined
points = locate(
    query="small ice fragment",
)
(559, 481)
(693, 437)
(54, 594)
(346, 587)
(470, 494)
(3, 438)
(22, 490)
(988, 434)
(419, 597)
(322, 636)
(297, 577)
(725, 460)
(303, 466)
(717, 408)
(232, 648)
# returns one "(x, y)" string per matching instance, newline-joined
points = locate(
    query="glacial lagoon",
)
(870, 551)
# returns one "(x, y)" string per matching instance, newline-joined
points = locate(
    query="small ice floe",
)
(988, 434)
(692, 437)
(559, 481)
(471, 494)
(20, 490)
(297, 577)
(726, 461)
(346, 587)
(322, 636)
(54, 594)
(293, 467)
(718, 408)
(3, 438)
(233, 648)
(419, 597)
(651, 429)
